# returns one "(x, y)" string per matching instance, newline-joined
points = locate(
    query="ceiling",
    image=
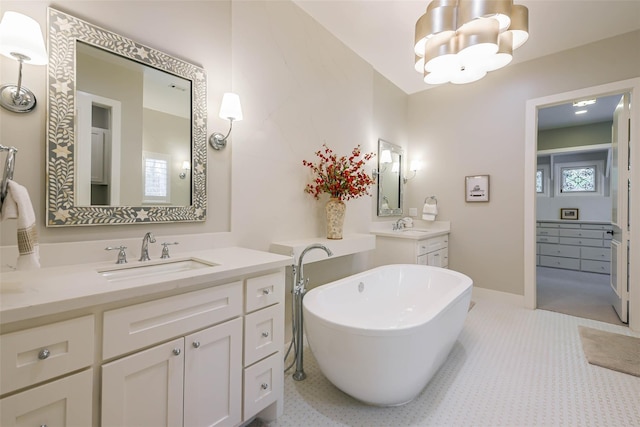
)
(381, 32)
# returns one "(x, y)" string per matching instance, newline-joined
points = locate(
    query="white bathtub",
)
(381, 335)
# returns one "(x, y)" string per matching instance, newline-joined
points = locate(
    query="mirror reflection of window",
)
(156, 178)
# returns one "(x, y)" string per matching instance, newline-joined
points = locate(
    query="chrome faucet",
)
(144, 252)
(398, 225)
(298, 293)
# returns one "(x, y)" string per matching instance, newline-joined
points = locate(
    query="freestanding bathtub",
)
(381, 335)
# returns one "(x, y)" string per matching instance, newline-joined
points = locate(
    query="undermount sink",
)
(153, 269)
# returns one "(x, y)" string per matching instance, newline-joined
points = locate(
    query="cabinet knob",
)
(265, 334)
(44, 353)
(177, 351)
(264, 386)
(196, 344)
(266, 291)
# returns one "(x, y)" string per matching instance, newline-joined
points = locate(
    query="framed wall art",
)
(568, 213)
(477, 188)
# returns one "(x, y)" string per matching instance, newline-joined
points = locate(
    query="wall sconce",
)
(20, 39)
(230, 110)
(186, 167)
(414, 167)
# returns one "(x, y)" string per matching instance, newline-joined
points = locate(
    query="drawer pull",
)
(265, 334)
(264, 386)
(196, 344)
(177, 351)
(44, 353)
(266, 291)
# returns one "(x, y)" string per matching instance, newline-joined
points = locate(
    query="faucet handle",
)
(122, 255)
(165, 249)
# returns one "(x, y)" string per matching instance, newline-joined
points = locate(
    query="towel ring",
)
(426, 200)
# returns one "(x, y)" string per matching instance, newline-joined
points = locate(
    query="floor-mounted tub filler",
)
(381, 335)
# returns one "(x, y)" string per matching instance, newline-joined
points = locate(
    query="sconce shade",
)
(186, 165)
(385, 156)
(230, 108)
(21, 35)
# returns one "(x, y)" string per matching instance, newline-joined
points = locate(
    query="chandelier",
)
(459, 41)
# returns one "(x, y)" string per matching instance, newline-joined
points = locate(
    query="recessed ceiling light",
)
(584, 103)
(581, 112)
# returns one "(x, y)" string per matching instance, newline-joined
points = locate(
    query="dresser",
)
(581, 246)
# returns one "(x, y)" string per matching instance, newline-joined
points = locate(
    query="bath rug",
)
(612, 351)
(471, 304)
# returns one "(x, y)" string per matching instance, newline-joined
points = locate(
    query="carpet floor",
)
(586, 295)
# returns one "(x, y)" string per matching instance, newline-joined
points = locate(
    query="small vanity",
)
(196, 345)
(428, 245)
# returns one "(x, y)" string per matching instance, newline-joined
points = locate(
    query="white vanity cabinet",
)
(192, 364)
(188, 348)
(32, 356)
(432, 251)
(201, 368)
(581, 246)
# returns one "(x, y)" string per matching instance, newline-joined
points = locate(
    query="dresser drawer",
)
(603, 267)
(137, 326)
(581, 241)
(547, 232)
(547, 239)
(604, 227)
(560, 250)
(64, 402)
(263, 384)
(263, 333)
(38, 354)
(548, 225)
(558, 262)
(588, 234)
(264, 291)
(433, 244)
(599, 254)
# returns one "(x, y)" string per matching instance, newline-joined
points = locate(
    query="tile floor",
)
(510, 367)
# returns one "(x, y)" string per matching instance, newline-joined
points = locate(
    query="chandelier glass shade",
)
(459, 41)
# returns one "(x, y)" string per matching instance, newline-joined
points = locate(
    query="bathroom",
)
(301, 87)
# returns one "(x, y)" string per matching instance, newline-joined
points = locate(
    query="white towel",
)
(429, 212)
(17, 205)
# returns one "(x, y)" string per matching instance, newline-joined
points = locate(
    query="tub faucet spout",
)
(298, 293)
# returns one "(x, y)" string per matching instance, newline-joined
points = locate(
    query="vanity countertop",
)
(417, 232)
(46, 291)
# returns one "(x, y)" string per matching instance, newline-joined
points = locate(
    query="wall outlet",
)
(413, 211)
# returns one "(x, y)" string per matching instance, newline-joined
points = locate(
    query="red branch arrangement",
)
(343, 177)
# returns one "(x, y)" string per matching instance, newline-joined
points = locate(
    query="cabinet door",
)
(65, 402)
(213, 376)
(144, 389)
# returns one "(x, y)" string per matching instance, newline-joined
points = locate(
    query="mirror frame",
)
(64, 31)
(385, 145)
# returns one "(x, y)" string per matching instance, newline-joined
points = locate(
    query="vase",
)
(335, 210)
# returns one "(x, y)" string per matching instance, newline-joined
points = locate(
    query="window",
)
(539, 181)
(579, 178)
(542, 180)
(156, 178)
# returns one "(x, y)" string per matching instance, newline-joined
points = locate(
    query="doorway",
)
(530, 196)
(574, 208)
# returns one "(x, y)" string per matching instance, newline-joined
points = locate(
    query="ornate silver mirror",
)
(390, 158)
(126, 130)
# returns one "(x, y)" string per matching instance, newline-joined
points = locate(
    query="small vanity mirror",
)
(126, 130)
(389, 179)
